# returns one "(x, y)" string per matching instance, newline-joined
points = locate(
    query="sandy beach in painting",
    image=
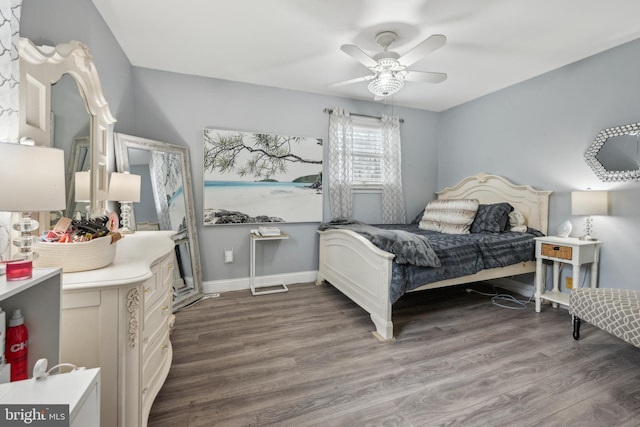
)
(289, 201)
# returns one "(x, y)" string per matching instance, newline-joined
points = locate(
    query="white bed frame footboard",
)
(362, 272)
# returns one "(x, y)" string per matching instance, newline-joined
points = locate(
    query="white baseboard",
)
(513, 286)
(221, 286)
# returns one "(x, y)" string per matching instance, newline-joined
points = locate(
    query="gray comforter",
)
(408, 248)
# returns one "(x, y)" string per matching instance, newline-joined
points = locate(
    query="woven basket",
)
(82, 256)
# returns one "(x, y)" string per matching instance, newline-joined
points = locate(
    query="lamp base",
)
(125, 218)
(588, 238)
(126, 230)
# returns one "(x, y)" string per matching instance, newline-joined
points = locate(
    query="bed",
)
(363, 272)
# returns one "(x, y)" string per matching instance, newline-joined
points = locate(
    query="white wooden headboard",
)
(534, 204)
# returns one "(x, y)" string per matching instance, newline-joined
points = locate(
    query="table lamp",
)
(589, 203)
(32, 180)
(125, 188)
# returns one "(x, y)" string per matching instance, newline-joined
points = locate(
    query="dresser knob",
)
(146, 290)
(165, 347)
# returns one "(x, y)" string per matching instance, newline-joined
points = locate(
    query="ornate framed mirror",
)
(40, 68)
(615, 153)
(166, 203)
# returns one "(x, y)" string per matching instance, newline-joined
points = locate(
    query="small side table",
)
(568, 250)
(252, 269)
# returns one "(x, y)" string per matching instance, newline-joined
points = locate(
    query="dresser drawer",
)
(156, 324)
(557, 251)
(152, 286)
(153, 365)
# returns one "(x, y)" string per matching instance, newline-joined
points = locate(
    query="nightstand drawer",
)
(557, 251)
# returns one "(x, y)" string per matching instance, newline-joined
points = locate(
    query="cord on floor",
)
(499, 299)
(204, 297)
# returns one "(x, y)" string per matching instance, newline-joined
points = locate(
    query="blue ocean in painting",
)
(290, 201)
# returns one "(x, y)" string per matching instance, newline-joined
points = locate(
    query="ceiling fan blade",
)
(425, 76)
(356, 80)
(427, 46)
(358, 54)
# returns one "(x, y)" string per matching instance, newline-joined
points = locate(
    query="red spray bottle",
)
(16, 346)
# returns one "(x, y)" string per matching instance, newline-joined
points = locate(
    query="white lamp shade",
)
(82, 185)
(124, 187)
(31, 178)
(589, 203)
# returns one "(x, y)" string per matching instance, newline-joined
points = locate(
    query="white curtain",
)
(340, 164)
(393, 211)
(9, 69)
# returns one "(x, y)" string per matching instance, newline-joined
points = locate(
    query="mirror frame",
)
(40, 67)
(122, 143)
(599, 169)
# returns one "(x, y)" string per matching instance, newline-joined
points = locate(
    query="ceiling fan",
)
(389, 68)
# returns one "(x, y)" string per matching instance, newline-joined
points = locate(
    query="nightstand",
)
(567, 250)
(252, 267)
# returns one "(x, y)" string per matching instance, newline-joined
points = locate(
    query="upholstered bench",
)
(616, 311)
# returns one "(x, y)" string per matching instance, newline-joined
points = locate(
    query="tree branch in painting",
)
(269, 154)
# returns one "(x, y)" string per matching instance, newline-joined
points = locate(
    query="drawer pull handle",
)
(165, 347)
(556, 248)
(144, 390)
(146, 290)
(170, 266)
(165, 308)
(145, 340)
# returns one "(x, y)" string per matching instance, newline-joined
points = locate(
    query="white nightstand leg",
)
(594, 274)
(556, 280)
(594, 267)
(576, 276)
(539, 283)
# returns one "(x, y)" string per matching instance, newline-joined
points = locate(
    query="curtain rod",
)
(330, 111)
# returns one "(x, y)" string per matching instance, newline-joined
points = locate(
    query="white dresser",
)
(119, 318)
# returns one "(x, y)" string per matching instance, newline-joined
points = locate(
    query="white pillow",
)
(451, 216)
(517, 221)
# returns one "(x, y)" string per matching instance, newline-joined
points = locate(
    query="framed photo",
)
(252, 177)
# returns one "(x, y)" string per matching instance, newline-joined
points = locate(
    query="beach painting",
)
(252, 177)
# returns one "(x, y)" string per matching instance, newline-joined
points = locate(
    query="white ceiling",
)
(295, 44)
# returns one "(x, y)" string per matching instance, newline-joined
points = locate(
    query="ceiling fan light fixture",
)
(385, 84)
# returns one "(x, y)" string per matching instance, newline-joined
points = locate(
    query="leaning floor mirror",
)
(166, 203)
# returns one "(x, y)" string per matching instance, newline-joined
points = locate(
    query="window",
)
(367, 153)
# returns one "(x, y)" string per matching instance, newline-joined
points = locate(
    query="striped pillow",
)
(451, 216)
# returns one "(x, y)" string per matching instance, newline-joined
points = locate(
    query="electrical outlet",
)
(228, 256)
(568, 282)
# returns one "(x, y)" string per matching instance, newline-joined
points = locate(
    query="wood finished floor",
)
(308, 358)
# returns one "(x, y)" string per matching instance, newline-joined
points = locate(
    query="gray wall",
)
(537, 132)
(176, 108)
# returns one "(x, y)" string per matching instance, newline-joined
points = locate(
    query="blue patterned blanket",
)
(409, 248)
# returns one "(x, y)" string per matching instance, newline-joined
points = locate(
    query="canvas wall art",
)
(254, 177)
